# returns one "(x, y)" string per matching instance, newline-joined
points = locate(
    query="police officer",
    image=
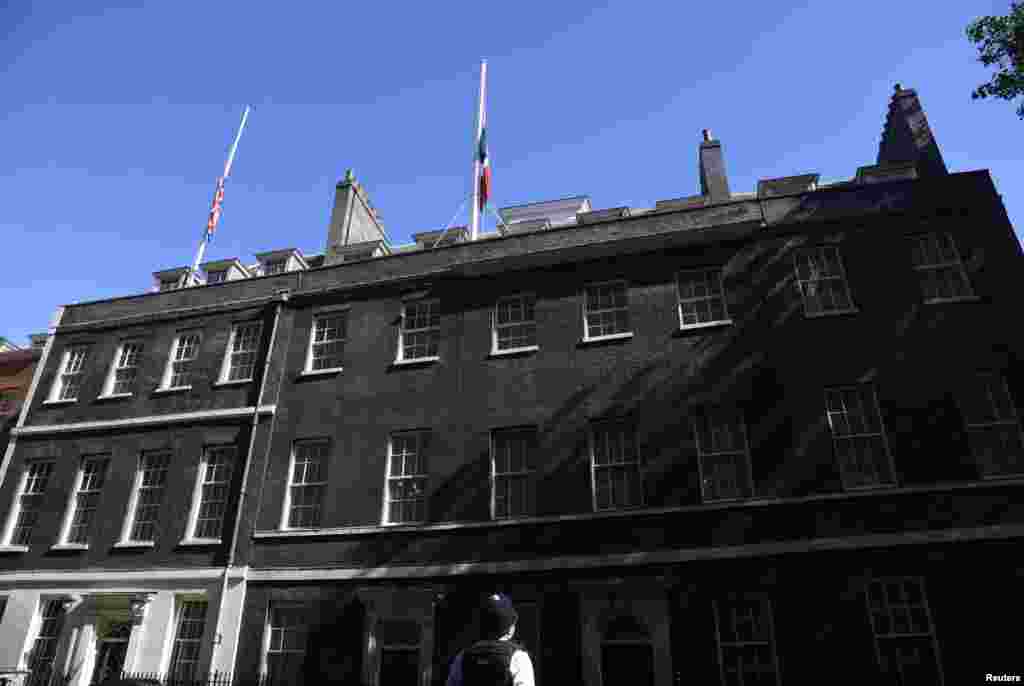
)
(495, 660)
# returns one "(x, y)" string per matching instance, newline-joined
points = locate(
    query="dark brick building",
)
(735, 438)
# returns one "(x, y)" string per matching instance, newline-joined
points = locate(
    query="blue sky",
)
(114, 122)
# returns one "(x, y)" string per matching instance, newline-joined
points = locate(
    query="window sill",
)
(1000, 477)
(199, 542)
(236, 382)
(704, 325)
(320, 372)
(134, 544)
(13, 548)
(961, 299)
(625, 335)
(870, 487)
(70, 546)
(526, 350)
(832, 313)
(416, 361)
(67, 401)
(114, 396)
(176, 389)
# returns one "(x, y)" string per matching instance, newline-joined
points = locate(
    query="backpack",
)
(486, 663)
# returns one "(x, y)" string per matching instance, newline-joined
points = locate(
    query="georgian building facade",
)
(734, 438)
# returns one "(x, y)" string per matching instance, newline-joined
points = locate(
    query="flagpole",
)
(218, 196)
(475, 226)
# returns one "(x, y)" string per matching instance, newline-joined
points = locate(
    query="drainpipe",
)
(283, 298)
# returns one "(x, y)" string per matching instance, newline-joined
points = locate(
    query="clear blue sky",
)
(115, 121)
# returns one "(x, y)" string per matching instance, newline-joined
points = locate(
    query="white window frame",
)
(704, 453)
(74, 353)
(523, 298)
(525, 475)
(230, 352)
(138, 485)
(197, 494)
(38, 623)
(165, 383)
(121, 355)
(286, 513)
(715, 276)
(17, 506)
(956, 264)
(811, 284)
(1011, 422)
(769, 618)
(268, 633)
(179, 615)
(861, 389)
(588, 311)
(894, 635)
(422, 440)
(620, 427)
(402, 331)
(317, 317)
(73, 505)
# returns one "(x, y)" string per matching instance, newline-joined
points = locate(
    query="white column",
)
(16, 627)
(225, 635)
(154, 644)
(139, 612)
(76, 651)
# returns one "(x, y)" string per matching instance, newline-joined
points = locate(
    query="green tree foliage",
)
(1000, 41)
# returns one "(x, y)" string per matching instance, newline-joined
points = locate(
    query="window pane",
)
(607, 311)
(244, 344)
(329, 334)
(44, 648)
(189, 634)
(217, 471)
(93, 474)
(822, 281)
(37, 477)
(152, 482)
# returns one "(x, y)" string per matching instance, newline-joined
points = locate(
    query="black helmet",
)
(497, 615)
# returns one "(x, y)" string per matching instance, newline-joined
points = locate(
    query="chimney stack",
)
(353, 220)
(714, 185)
(907, 137)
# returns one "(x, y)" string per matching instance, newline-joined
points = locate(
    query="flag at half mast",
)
(218, 198)
(481, 162)
(485, 167)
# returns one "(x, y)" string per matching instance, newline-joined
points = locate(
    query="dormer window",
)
(171, 279)
(219, 271)
(281, 261)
